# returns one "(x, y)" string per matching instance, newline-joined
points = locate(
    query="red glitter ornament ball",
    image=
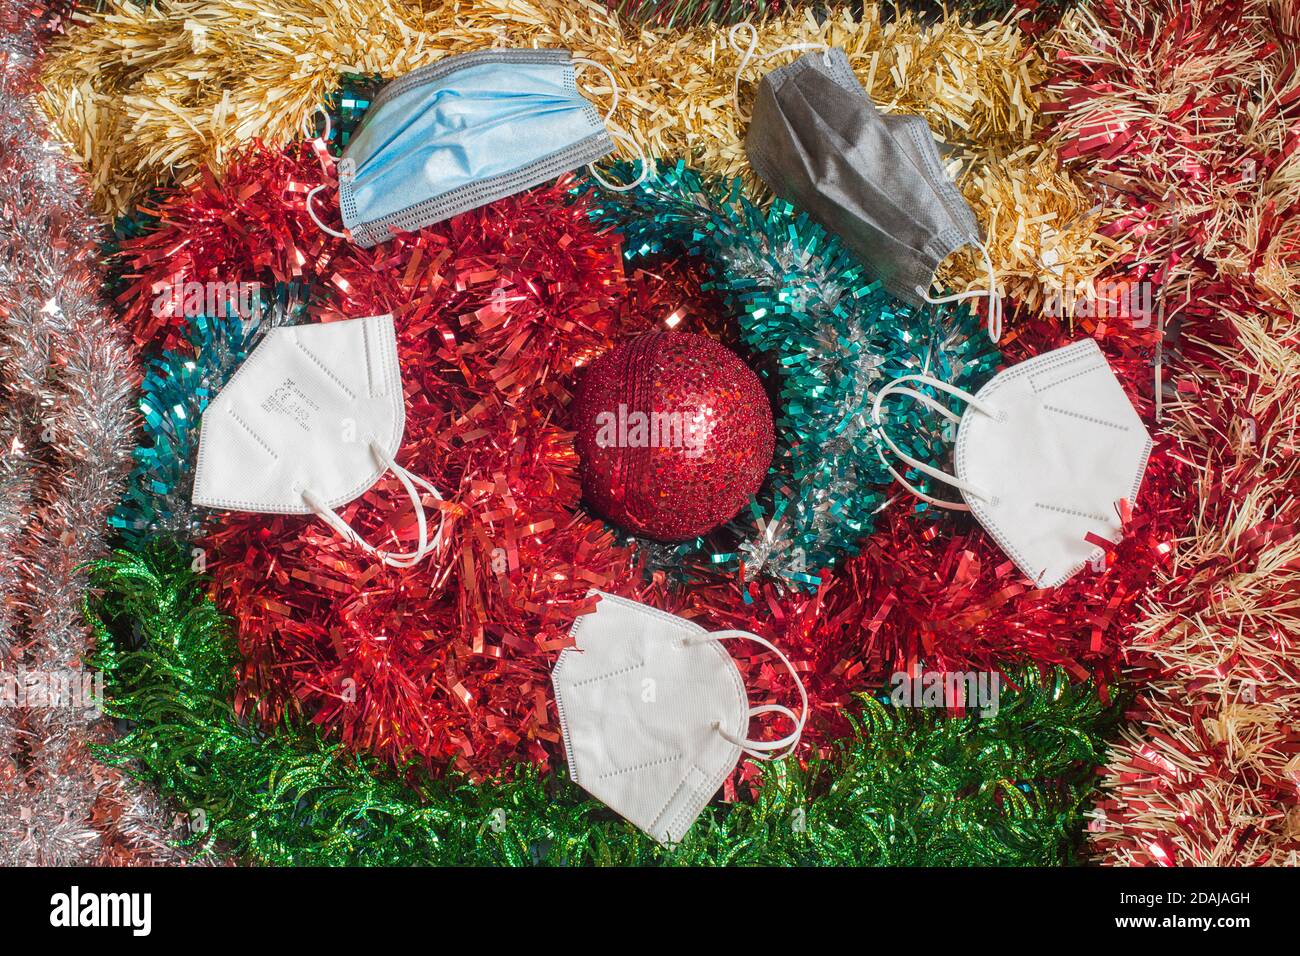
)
(675, 435)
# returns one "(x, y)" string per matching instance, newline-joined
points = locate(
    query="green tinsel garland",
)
(908, 788)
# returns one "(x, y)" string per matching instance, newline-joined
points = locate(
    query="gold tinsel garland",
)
(148, 96)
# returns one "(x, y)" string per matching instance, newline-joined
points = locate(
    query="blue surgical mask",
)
(464, 132)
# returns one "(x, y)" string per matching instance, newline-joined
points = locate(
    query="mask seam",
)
(565, 733)
(1069, 511)
(604, 677)
(1061, 381)
(646, 765)
(255, 436)
(365, 344)
(338, 383)
(943, 244)
(393, 385)
(959, 211)
(1085, 418)
(671, 826)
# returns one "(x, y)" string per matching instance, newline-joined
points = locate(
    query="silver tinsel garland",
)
(67, 425)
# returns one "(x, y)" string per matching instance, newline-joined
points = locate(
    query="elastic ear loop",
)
(615, 133)
(995, 299)
(764, 749)
(750, 53)
(311, 193)
(409, 481)
(311, 211)
(895, 387)
(329, 126)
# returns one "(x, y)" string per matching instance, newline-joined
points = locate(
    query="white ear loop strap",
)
(995, 299)
(310, 130)
(764, 749)
(409, 481)
(311, 211)
(750, 53)
(896, 387)
(311, 193)
(615, 133)
(609, 76)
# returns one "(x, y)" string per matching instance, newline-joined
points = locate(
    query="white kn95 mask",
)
(309, 422)
(655, 715)
(1045, 453)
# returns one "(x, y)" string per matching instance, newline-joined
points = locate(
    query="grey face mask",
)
(876, 181)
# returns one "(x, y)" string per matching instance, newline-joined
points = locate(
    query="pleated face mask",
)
(310, 422)
(875, 181)
(1049, 457)
(655, 715)
(464, 132)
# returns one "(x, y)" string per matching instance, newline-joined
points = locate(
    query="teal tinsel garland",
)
(908, 788)
(176, 388)
(803, 300)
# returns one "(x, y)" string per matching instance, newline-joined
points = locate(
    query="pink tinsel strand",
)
(1188, 115)
(66, 428)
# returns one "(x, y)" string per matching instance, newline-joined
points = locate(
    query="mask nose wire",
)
(409, 481)
(751, 53)
(615, 132)
(764, 749)
(995, 299)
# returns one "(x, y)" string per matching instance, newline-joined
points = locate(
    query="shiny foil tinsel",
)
(497, 312)
(149, 94)
(66, 426)
(177, 387)
(831, 336)
(1186, 115)
(921, 593)
(904, 788)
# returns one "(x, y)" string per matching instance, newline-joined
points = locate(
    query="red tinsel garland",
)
(251, 226)
(940, 595)
(497, 311)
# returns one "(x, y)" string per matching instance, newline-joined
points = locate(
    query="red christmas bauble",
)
(675, 435)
